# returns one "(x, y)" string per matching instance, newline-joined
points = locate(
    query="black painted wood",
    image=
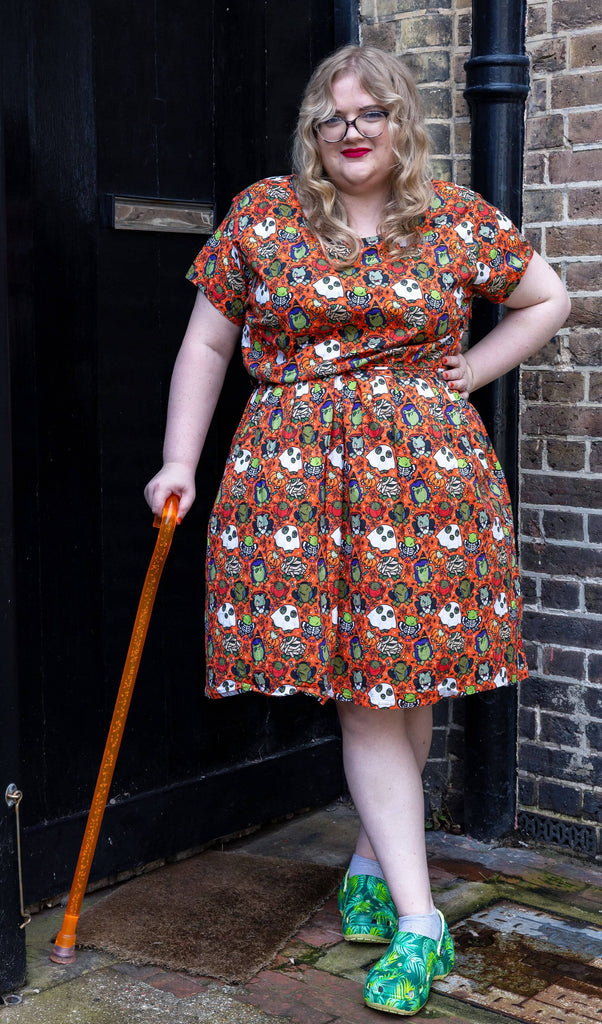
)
(173, 102)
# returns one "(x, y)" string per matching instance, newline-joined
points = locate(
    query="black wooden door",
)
(168, 101)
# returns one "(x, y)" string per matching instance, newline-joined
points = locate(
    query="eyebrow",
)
(369, 106)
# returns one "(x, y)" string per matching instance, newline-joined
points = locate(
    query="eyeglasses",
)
(370, 125)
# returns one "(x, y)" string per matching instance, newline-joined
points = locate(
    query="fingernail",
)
(179, 520)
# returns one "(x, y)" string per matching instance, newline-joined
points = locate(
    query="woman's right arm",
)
(196, 383)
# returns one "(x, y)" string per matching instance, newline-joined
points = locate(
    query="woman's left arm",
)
(537, 308)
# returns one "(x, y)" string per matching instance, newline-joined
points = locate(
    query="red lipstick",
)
(353, 154)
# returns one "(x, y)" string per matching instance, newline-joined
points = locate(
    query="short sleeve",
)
(220, 271)
(499, 254)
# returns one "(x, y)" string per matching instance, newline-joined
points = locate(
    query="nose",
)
(352, 130)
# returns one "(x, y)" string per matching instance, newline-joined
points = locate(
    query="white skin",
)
(384, 750)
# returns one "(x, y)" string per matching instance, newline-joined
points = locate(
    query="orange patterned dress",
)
(361, 544)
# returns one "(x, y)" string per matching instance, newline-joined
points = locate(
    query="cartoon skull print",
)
(265, 228)
(382, 617)
(226, 616)
(335, 457)
(450, 537)
(291, 460)
(382, 696)
(465, 231)
(242, 461)
(286, 617)
(449, 688)
(446, 459)
(500, 606)
(329, 287)
(328, 350)
(381, 458)
(287, 537)
(229, 538)
(383, 538)
(379, 386)
(408, 290)
(450, 615)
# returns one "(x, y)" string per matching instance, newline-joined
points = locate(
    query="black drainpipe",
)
(12, 938)
(497, 84)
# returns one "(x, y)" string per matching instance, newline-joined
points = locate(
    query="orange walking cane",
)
(64, 947)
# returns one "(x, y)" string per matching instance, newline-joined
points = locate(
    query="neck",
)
(364, 213)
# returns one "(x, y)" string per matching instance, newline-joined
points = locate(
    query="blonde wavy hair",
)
(388, 80)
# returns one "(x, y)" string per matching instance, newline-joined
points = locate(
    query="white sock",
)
(422, 924)
(364, 866)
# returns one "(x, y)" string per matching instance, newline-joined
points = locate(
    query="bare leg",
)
(419, 727)
(383, 773)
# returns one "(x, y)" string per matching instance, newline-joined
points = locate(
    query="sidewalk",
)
(527, 926)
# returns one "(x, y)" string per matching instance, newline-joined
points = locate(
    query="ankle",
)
(365, 866)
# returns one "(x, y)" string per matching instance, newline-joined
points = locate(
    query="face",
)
(356, 165)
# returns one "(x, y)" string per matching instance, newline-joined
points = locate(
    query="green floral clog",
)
(369, 914)
(400, 982)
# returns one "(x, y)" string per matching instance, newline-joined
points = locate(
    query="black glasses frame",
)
(348, 124)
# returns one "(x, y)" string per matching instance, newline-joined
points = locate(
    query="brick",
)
(531, 654)
(436, 102)
(531, 452)
(562, 525)
(542, 205)
(585, 126)
(527, 792)
(537, 100)
(432, 66)
(595, 387)
(592, 695)
(566, 455)
(383, 35)
(579, 165)
(594, 669)
(586, 277)
(554, 695)
(464, 29)
(585, 421)
(592, 805)
(593, 598)
(586, 50)
(565, 560)
(594, 735)
(575, 13)
(595, 458)
(594, 528)
(462, 137)
(440, 137)
(543, 761)
(307, 996)
(462, 173)
(560, 594)
(585, 347)
(576, 90)
(547, 55)
(559, 729)
(546, 132)
(427, 30)
(535, 237)
(574, 630)
(562, 386)
(530, 381)
(530, 523)
(580, 240)
(527, 723)
(585, 312)
(558, 661)
(534, 168)
(379, 9)
(536, 20)
(529, 589)
(561, 799)
(441, 713)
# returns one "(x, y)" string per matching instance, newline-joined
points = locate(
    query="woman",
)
(360, 547)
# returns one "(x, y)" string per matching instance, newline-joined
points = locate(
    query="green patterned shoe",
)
(400, 982)
(369, 914)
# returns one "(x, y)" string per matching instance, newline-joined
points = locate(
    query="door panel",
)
(171, 102)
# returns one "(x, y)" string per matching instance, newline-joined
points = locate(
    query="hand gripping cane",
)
(64, 947)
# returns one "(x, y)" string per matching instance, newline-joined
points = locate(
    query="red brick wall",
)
(560, 540)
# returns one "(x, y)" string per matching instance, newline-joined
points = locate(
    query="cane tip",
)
(62, 954)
